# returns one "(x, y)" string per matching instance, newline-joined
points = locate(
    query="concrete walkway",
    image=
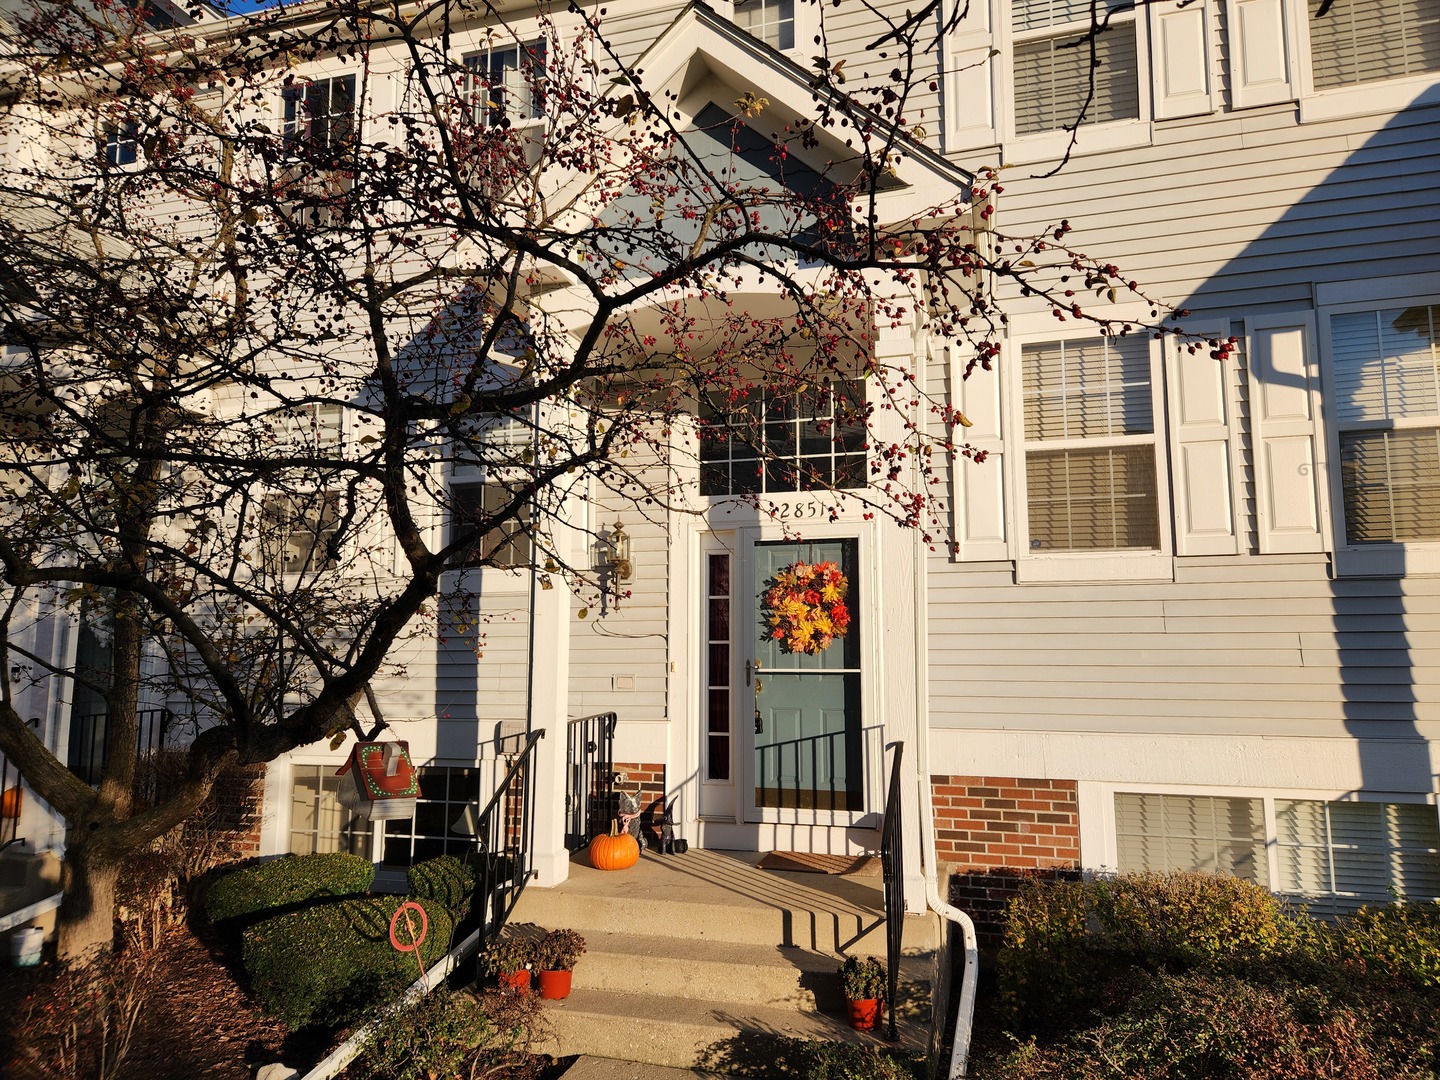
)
(597, 1068)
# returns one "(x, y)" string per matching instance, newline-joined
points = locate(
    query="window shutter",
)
(970, 101)
(1180, 46)
(980, 486)
(1201, 451)
(1259, 53)
(1287, 444)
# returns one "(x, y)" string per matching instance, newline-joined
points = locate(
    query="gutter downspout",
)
(965, 1012)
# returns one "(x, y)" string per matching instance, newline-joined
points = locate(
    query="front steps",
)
(703, 960)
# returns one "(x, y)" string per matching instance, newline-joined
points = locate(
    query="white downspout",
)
(965, 1011)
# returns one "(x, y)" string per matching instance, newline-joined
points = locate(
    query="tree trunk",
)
(85, 927)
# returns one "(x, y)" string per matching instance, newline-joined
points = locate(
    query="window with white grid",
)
(318, 822)
(1065, 71)
(1090, 448)
(1336, 856)
(1385, 368)
(1361, 41)
(772, 21)
(440, 825)
(320, 114)
(504, 84)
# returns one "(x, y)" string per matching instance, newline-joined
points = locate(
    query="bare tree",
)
(253, 319)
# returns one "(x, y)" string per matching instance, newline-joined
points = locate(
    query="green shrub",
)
(823, 1060)
(1077, 948)
(328, 963)
(1401, 941)
(431, 1037)
(285, 882)
(1201, 1026)
(445, 880)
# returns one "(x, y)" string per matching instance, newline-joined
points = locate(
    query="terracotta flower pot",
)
(555, 984)
(516, 980)
(864, 1013)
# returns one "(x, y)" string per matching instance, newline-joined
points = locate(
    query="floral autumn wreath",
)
(804, 606)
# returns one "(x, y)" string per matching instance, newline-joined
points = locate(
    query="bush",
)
(822, 1060)
(452, 1035)
(327, 964)
(429, 1038)
(285, 882)
(1199, 1026)
(446, 880)
(1075, 948)
(1401, 941)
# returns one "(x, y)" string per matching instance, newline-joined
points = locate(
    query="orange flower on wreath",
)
(803, 607)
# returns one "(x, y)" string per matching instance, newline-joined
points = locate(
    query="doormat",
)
(808, 862)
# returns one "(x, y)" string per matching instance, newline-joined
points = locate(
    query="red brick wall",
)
(239, 795)
(650, 777)
(996, 831)
(986, 822)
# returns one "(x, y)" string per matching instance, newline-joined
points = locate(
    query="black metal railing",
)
(90, 739)
(892, 863)
(505, 843)
(801, 774)
(589, 777)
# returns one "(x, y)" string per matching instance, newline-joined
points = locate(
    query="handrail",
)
(589, 776)
(504, 839)
(90, 738)
(891, 863)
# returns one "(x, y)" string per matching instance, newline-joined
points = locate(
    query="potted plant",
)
(863, 983)
(555, 956)
(510, 961)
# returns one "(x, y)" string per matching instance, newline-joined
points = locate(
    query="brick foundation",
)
(239, 797)
(995, 832)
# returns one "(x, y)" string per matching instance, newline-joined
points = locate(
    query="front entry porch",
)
(705, 960)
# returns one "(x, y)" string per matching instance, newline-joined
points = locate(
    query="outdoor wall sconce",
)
(612, 555)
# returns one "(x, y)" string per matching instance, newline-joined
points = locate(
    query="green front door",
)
(807, 752)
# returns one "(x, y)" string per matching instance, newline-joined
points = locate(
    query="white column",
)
(551, 688)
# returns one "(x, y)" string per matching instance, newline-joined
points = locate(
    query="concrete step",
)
(684, 967)
(743, 1039)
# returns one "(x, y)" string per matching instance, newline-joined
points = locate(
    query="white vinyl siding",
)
(1335, 856)
(1359, 41)
(1090, 472)
(1386, 377)
(1159, 833)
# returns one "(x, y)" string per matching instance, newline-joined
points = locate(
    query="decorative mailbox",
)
(380, 783)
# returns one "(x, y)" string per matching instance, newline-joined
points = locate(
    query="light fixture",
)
(612, 555)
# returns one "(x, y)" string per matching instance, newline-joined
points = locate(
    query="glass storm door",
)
(806, 752)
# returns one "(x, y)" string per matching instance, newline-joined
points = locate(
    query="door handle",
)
(747, 672)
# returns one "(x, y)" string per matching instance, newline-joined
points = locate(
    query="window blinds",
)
(1052, 78)
(1357, 41)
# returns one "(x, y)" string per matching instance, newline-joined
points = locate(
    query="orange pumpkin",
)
(617, 851)
(10, 803)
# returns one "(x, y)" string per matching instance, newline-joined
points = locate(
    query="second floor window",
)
(772, 21)
(122, 143)
(503, 85)
(1052, 68)
(1359, 41)
(508, 543)
(300, 532)
(1387, 407)
(321, 114)
(1090, 473)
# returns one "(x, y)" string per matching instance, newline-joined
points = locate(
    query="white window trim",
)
(1091, 137)
(1377, 97)
(1104, 795)
(1084, 566)
(1407, 558)
(485, 47)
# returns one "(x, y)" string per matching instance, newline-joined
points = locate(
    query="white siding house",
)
(1192, 603)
